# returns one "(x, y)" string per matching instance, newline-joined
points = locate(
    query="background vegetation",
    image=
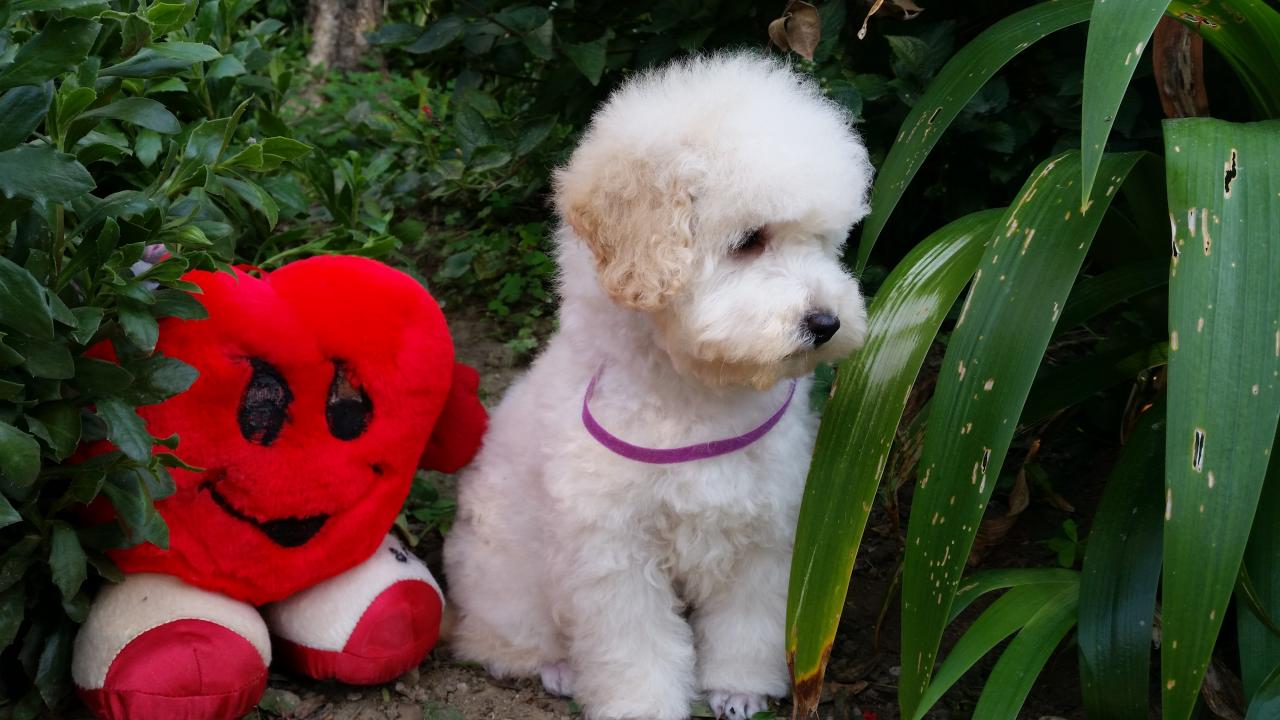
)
(202, 125)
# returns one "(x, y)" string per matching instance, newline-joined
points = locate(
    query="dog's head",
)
(715, 196)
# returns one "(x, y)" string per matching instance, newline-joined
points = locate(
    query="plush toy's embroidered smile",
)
(286, 532)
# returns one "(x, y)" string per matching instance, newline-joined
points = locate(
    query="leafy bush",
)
(125, 131)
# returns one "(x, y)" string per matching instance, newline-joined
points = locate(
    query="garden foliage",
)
(1073, 254)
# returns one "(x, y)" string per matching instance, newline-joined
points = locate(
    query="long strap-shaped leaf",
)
(1224, 364)
(1265, 704)
(1120, 577)
(857, 431)
(1247, 33)
(1011, 679)
(1004, 327)
(953, 88)
(1007, 615)
(1118, 32)
(1259, 645)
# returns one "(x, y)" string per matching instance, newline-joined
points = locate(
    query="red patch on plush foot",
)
(182, 670)
(394, 634)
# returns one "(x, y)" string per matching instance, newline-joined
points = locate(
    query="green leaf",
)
(949, 93)
(23, 109)
(125, 429)
(1023, 279)
(166, 17)
(1247, 34)
(1120, 577)
(1011, 679)
(139, 325)
(1259, 647)
(19, 456)
(147, 147)
(1118, 33)
(225, 67)
(61, 421)
(67, 561)
(43, 174)
(1004, 617)
(162, 59)
(856, 433)
(26, 6)
(981, 583)
(160, 377)
(589, 58)
(24, 306)
(45, 358)
(54, 667)
(12, 611)
(179, 304)
(142, 112)
(57, 48)
(8, 516)
(257, 198)
(88, 320)
(1223, 406)
(1091, 297)
(99, 377)
(522, 18)
(441, 33)
(539, 40)
(533, 135)
(1265, 704)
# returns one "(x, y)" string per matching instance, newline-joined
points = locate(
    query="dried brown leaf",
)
(1222, 692)
(908, 8)
(875, 8)
(778, 34)
(802, 27)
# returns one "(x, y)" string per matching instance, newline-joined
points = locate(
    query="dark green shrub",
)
(122, 130)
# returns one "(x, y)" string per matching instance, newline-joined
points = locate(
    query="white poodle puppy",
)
(626, 530)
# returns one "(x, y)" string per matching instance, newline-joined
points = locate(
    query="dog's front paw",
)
(558, 678)
(736, 706)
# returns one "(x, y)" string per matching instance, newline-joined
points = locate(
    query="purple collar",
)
(669, 456)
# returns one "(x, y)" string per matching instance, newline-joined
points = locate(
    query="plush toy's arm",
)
(461, 424)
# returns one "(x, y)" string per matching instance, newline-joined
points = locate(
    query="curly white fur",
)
(636, 586)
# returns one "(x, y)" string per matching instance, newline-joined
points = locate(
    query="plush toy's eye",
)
(348, 408)
(265, 404)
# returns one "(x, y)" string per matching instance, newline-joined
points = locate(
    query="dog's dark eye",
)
(752, 244)
(348, 408)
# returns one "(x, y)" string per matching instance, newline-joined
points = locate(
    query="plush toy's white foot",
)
(736, 706)
(365, 626)
(154, 647)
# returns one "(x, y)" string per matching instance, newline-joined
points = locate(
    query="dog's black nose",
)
(821, 326)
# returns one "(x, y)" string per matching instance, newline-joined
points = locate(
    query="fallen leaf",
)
(798, 30)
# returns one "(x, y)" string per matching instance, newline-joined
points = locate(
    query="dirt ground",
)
(862, 678)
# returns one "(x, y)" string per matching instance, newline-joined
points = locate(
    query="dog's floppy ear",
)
(637, 222)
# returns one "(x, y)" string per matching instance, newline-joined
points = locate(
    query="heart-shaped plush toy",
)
(323, 386)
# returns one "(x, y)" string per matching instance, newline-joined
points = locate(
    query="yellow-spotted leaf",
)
(857, 430)
(1224, 377)
(1017, 295)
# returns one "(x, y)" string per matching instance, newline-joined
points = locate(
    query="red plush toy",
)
(323, 386)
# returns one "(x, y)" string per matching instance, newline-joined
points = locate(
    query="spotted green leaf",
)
(1224, 365)
(856, 433)
(1015, 300)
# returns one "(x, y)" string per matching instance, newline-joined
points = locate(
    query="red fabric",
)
(182, 670)
(304, 320)
(394, 634)
(458, 432)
